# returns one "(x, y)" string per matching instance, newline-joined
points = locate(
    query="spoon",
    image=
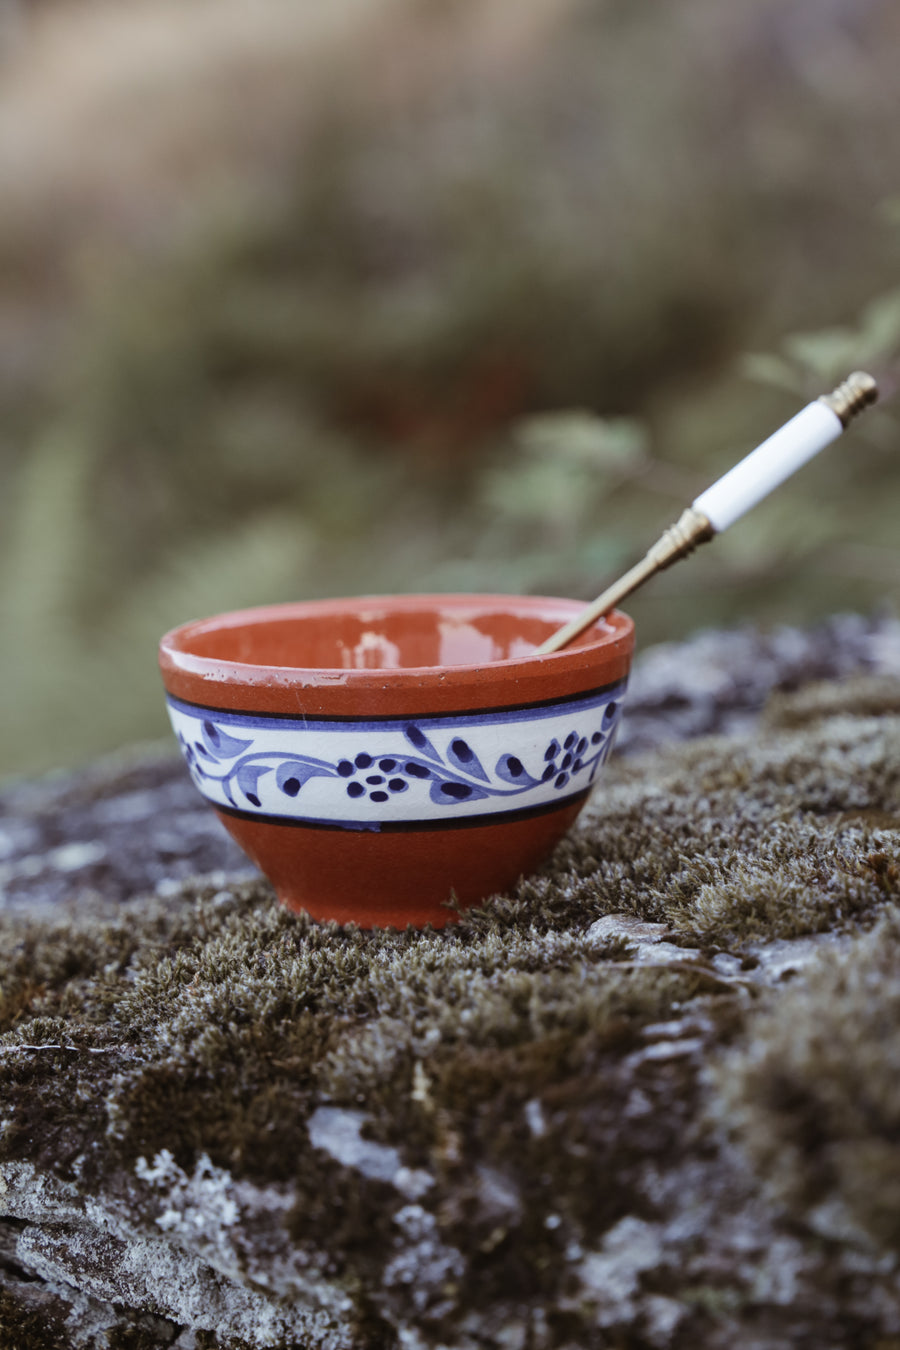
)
(752, 479)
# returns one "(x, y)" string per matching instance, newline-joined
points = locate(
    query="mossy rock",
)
(545, 1126)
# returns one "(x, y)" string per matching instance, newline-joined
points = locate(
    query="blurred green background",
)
(302, 300)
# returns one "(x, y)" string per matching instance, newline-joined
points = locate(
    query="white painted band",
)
(358, 774)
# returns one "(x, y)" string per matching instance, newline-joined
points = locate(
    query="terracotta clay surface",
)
(381, 758)
(381, 880)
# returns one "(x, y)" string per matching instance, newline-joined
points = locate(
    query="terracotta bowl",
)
(375, 757)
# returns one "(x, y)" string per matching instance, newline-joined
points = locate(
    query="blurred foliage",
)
(395, 296)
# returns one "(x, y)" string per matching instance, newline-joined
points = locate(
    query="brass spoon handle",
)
(816, 426)
(678, 541)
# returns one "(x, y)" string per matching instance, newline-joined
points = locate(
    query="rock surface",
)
(648, 1099)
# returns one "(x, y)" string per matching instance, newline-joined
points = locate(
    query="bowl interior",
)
(378, 636)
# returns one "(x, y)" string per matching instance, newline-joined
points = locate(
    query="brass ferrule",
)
(851, 397)
(691, 528)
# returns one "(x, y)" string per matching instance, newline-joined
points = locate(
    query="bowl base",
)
(411, 877)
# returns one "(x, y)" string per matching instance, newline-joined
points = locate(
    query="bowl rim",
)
(603, 651)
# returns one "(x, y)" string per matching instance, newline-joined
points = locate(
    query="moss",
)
(145, 1333)
(509, 1059)
(24, 1327)
(811, 1091)
(871, 696)
(578, 1166)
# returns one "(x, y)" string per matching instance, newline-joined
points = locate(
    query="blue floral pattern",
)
(415, 764)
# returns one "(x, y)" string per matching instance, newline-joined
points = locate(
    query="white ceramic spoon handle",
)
(758, 474)
(766, 467)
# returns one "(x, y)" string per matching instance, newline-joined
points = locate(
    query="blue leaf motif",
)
(248, 777)
(511, 769)
(463, 757)
(291, 775)
(417, 738)
(220, 744)
(451, 793)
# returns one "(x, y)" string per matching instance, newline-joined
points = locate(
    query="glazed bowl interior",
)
(378, 640)
(391, 633)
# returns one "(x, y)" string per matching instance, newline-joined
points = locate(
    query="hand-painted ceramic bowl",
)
(376, 757)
